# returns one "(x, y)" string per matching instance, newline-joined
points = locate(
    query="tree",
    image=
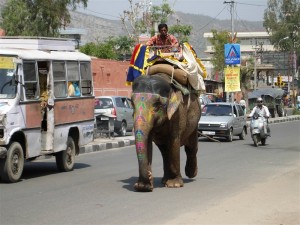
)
(123, 46)
(181, 31)
(281, 20)
(219, 39)
(140, 18)
(37, 18)
(112, 48)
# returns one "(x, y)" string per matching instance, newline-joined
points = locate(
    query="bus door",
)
(46, 105)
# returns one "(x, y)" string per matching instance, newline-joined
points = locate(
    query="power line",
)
(213, 18)
(249, 4)
(104, 14)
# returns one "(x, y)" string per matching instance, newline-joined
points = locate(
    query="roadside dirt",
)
(274, 202)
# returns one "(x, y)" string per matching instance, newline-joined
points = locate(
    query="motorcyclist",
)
(262, 111)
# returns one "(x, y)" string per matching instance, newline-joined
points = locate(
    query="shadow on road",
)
(40, 169)
(156, 182)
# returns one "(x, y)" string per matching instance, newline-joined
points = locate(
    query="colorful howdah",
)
(187, 62)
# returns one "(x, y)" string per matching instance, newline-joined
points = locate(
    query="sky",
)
(251, 10)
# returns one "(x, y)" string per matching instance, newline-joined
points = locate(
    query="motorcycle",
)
(257, 130)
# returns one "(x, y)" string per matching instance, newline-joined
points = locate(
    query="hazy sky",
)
(251, 10)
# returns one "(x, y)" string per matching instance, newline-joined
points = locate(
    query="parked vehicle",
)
(119, 107)
(272, 98)
(223, 119)
(46, 103)
(257, 130)
(204, 100)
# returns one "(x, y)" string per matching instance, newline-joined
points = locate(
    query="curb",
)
(101, 144)
(104, 144)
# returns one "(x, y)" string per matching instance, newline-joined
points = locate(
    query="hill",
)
(98, 29)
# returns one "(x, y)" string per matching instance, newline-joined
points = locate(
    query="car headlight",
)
(3, 119)
(223, 125)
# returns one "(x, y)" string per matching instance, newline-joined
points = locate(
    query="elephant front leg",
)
(144, 155)
(172, 177)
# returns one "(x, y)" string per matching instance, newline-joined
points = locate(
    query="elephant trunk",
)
(143, 144)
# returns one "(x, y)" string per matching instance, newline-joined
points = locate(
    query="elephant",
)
(163, 115)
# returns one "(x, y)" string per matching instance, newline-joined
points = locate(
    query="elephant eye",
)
(156, 106)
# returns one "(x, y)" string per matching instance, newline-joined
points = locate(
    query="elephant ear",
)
(174, 102)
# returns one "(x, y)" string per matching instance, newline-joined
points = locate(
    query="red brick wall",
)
(2, 32)
(110, 77)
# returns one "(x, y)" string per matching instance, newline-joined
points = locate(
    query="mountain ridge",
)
(199, 23)
(99, 29)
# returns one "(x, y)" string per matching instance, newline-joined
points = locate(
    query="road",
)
(237, 183)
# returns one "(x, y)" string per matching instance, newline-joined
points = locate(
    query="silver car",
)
(204, 100)
(223, 119)
(119, 107)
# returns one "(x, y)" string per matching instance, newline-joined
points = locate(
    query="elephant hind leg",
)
(173, 183)
(144, 186)
(191, 168)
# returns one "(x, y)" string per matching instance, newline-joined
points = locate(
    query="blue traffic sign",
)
(232, 54)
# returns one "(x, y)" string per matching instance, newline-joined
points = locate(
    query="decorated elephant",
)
(169, 118)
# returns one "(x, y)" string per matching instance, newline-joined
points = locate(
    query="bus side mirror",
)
(13, 81)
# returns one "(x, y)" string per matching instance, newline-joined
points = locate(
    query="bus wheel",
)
(12, 166)
(65, 160)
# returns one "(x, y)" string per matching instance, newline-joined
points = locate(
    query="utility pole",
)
(257, 49)
(228, 94)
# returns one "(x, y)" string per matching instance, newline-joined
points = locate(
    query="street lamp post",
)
(288, 82)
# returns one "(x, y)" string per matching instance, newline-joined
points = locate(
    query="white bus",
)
(46, 103)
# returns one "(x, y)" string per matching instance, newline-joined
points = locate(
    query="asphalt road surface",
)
(237, 183)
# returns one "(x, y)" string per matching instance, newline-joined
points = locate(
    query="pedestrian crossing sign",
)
(232, 54)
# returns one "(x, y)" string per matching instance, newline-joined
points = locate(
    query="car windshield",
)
(217, 110)
(7, 87)
(103, 103)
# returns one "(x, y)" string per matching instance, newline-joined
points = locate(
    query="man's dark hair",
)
(162, 25)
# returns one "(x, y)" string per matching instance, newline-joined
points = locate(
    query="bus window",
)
(59, 77)
(30, 80)
(73, 79)
(86, 78)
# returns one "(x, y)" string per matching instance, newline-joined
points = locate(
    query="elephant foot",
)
(173, 183)
(191, 168)
(144, 186)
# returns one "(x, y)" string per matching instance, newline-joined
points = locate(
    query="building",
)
(109, 77)
(269, 62)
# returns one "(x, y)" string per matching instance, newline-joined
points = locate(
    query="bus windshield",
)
(7, 86)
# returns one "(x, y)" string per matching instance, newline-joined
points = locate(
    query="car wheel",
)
(123, 130)
(230, 135)
(243, 134)
(65, 160)
(11, 168)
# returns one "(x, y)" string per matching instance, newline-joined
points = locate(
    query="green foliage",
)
(219, 39)
(296, 111)
(137, 20)
(181, 31)
(112, 48)
(281, 20)
(161, 13)
(123, 45)
(37, 18)
(246, 74)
